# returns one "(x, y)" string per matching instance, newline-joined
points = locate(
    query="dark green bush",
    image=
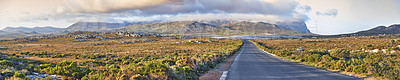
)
(20, 75)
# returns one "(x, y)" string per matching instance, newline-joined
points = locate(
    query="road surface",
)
(253, 64)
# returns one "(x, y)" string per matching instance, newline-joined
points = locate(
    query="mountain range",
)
(192, 28)
(41, 30)
(16, 34)
(234, 28)
(19, 32)
(392, 29)
(184, 27)
(260, 28)
(94, 26)
(379, 30)
(179, 27)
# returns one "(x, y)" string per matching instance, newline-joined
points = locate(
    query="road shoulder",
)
(216, 73)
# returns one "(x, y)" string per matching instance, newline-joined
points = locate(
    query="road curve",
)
(253, 64)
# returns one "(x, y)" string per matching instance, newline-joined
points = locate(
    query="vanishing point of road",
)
(254, 64)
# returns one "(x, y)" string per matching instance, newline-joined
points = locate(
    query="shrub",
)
(67, 68)
(319, 51)
(314, 58)
(284, 53)
(340, 53)
(20, 75)
(152, 68)
(45, 65)
(326, 58)
(6, 63)
(340, 65)
(360, 69)
(369, 45)
(349, 69)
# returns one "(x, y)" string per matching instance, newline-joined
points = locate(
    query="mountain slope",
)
(393, 29)
(17, 34)
(258, 28)
(296, 26)
(94, 26)
(3, 32)
(41, 30)
(194, 27)
(177, 28)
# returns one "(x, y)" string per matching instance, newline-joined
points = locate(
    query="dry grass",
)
(126, 52)
(365, 57)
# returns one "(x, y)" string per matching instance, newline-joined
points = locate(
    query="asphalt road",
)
(253, 64)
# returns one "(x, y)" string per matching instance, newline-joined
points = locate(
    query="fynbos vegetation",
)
(365, 56)
(113, 56)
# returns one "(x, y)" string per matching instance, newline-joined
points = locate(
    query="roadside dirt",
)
(216, 73)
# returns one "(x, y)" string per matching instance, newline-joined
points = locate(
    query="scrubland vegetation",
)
(373, 56)
(112, 56)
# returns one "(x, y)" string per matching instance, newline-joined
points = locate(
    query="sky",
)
(321, 16)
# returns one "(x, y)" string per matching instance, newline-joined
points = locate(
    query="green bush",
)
(326, 58)
(45, 65)
(67, 68)
(340, 53)
(360, 69)
(314, 58)
(6, 63)
(340, 65)
(319, 51)
(20, 75)
(284, 53)
(152, 67)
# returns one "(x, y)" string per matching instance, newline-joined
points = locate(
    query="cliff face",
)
(259, 28)
(296, 26)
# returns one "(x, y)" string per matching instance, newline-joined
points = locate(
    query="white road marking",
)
(224, 75)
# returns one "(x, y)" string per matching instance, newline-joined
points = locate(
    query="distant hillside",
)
(299, 27)
(296, 26)
(393, 29)
(259, 28)
(194, 27)
(94, 26)
(40, 30)
(17, 34)
(218, 22)
(20, 32)
(177, 28)
(3, 32)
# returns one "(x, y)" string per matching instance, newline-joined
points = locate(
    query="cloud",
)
(159, 10)
(88, 6)
(154, 7)
(191, 9)
(328, 12)
(209, 17)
